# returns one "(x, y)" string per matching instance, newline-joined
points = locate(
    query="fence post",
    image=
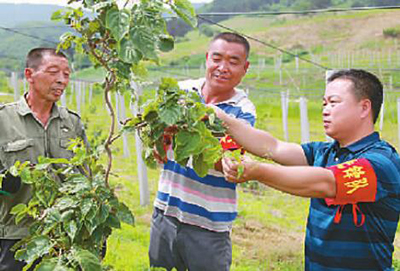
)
(72, 87)
(284, 105)
(78, 96)
(121, 116)
(83, 92)
(305, 126)
(142, 170)
(90, 93)
(328, 74)
(14, 84)
(64, 98)
(25, 85)
(382, 114)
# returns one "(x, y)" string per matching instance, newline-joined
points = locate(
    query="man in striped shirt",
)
(354, 182)
(193, 216)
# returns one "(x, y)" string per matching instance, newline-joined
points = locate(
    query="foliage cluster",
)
(178, 119)
(72, 211)
(392, 32)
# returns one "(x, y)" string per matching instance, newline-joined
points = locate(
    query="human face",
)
(226, 65)
(49, 80)
(342, 111)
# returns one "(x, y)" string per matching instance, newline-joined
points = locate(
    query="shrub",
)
(393, 32)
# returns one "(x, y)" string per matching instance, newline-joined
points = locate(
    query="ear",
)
(366, 108)
(207, 56)
(28, 75)
(246, 66)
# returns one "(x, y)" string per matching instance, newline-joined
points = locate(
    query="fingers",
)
(219, 112)
(230, 171)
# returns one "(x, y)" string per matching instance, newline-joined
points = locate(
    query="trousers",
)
(174, 244)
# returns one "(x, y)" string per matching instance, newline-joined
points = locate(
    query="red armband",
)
(355, 182)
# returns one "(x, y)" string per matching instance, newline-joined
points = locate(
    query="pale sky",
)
(62, 2)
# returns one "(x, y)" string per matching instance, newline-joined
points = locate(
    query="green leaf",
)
(53, 216)
(19, 208)
(128, 52)
(87, 260)
(52, 264)
(36, 248)
(166, 43)
(187, 143)
(71, 228)
(57, 15)
(143, 40)
(185, 10)
(170, 114)
(113, 221)
(125, 215)
(66, 203)
(104, 212)
(118, 22)
(86, 205)
(200, 166)
(47, 265)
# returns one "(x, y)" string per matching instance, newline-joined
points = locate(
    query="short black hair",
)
(35, 56)
(235, 38)
(366, 86)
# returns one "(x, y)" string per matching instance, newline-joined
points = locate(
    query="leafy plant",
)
(392, 32)
(72, 211)
(178, 119)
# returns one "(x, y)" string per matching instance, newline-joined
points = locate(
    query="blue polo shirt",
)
(344, 246)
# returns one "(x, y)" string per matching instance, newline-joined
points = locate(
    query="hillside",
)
(347, 31)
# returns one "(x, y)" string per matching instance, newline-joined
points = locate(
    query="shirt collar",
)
(360, 144)
(24, 109)
(235, 99)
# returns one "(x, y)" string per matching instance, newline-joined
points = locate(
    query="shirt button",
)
(336, 159)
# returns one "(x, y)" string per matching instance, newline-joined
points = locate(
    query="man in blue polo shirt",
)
(354, 182)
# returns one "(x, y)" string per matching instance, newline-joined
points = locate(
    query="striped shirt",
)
(344, 246)
(209, 202)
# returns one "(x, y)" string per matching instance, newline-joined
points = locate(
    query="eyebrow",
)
(331, 96)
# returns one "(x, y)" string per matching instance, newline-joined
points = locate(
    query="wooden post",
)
(14, 84)
(25, 85)
(121, 117)
(64, 98)
(328, 74)
(382, 114)
(83, 86)
(305, 126)
(142, 170)
(90, 93)
(72, 86)
(78, 96)
(284, 106)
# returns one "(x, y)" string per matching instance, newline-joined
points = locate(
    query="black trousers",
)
(186, 247)
(7, 260)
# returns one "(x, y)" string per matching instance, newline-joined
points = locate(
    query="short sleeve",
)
(387, 170)
(310, 151)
